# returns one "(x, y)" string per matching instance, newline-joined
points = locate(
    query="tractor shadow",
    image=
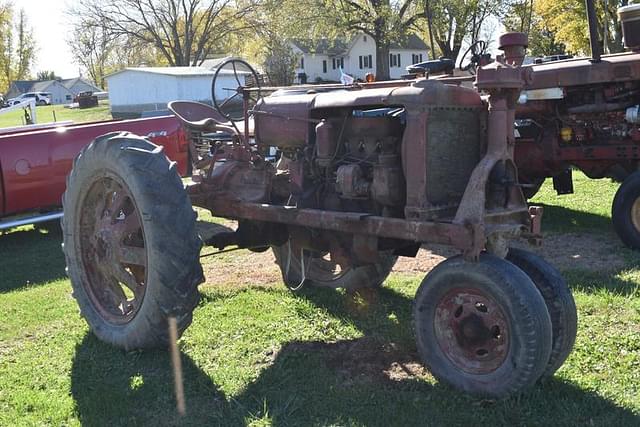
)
(373, 380)
(561, 219)
(31, 256)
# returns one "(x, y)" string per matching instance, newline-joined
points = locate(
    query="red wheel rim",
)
(113, 251)
(472, 330)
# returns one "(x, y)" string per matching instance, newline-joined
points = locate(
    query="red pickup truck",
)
(34, 163)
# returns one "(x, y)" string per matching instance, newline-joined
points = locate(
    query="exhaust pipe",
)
(596, 51)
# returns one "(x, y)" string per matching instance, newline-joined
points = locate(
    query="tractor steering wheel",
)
(475, 52)
(235, 82)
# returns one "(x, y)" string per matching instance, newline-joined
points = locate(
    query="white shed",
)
(133, 91)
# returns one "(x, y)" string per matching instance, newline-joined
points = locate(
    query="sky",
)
(50, 30)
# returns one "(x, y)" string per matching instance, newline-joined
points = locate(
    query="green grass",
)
(259, 355)
(57, 113)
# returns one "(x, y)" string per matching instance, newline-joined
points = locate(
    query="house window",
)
(302, 62)
(420, 58)
(365, 61)
(415, 58)
(342, 63)
(399, 64)
(360, 61)
(334, 63)
(370, 62)
(324, 66)
(394, 60)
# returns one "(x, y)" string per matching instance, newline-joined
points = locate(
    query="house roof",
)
(22, 85)
(175, 71)
(42, 85)
(410, 42)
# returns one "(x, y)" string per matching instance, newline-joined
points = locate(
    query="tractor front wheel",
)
(482, 327)
(130, 242)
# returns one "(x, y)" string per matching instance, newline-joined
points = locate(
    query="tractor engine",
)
(358, 151)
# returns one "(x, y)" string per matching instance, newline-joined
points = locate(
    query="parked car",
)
(42, 98)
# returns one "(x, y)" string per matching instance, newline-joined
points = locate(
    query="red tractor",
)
(585, 113)
(338, 181)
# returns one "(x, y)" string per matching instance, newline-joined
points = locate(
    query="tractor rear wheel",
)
(321, 271)
(130, 242)
(625, 211)
(559, 301)
(482, 327)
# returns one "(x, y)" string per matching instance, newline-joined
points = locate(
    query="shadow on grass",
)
(560, 219)
(31, 256)
(373, 380)
(594, 282)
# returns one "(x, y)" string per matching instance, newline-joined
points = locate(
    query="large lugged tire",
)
(482, 327)
(560, 304)
(322, 272)
(625, 211)
(130, 242)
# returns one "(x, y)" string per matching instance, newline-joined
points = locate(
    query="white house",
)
(321, 61)
(133, 91)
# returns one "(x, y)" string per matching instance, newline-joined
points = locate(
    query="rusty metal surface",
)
(459, 236)
(114, 254)
(472, 330)
(580, 71)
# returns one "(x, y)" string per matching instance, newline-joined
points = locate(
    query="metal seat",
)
(200, 117)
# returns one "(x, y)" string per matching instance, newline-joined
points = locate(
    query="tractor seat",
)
(200, 117)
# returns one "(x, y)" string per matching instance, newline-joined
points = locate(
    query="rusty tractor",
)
(583, 113)
(338, 181)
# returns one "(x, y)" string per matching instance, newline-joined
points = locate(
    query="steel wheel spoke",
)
(127, 279)
(131, 223)
(132, 255)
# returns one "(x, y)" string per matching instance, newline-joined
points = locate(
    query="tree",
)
(567, 19)
(46, 75)
(453, 21)
(521, 15)
(185, 32)
(385, 21)
(17, 46)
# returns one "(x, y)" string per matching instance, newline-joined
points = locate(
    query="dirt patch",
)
(365, 360)
(569, 251)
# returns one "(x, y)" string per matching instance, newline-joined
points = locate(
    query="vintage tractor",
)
(584, 113)
(338, 181)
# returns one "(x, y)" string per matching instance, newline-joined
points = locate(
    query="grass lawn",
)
(57, 113)
(257, 354)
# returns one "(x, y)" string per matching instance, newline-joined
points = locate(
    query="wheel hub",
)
(472, 330)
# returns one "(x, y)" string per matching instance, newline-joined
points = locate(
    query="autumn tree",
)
(17, 46)
(567, 19)
(184, 32)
